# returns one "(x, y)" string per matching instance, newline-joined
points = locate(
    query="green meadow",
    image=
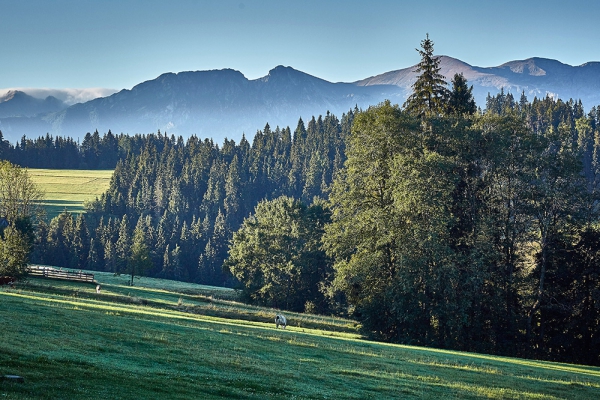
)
(69, 188)
(170, 340)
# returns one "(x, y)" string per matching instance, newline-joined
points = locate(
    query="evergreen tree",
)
(93, 260)
(123, 245)
(42, 245)
(429, 91)
(139, 260)
(80, 243)
(59, 235)
(233, 193)
(461, 99)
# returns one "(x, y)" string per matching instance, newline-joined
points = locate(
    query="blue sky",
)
(117, 44)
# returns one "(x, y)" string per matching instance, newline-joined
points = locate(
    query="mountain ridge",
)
(224, 103)
(16, 103)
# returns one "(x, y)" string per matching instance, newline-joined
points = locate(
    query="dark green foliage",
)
(461, 230)
(138, 260)
(276, 255)
(14, 253)
(95, 152)
(568, 317)
(460, 100)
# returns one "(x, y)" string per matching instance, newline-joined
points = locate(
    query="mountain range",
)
(224, 103)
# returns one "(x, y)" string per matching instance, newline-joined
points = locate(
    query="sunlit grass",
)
(69, 342)
(69, 188)
(191, 298)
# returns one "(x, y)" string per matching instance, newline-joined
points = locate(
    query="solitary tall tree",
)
(429, 91)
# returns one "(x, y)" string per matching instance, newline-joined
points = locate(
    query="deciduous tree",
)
(276, 255)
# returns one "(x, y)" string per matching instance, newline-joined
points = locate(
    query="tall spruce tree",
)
(429, 90)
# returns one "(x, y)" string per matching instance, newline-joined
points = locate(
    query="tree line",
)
(94, 152)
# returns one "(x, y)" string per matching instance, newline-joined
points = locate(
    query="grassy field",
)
(163, 339)
(69, 188)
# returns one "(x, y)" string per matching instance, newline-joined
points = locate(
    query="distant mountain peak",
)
(282, 73)
(16, 103)
(535, 66)
(529, 65)
(13, 94)
(283, 70)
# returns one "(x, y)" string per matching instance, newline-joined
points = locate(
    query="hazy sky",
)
(117, 44)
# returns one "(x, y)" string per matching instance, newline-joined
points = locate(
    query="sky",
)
(117, 44)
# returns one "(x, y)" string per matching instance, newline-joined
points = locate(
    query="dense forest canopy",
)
(434, 223)
(190, 196)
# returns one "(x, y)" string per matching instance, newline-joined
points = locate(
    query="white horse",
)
(280, 320)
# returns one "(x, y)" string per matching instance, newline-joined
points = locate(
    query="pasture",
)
(164, 339)
(69, 188)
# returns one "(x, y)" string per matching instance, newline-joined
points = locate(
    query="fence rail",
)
(49, 272)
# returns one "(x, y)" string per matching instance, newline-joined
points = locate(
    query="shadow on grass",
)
(55, 207)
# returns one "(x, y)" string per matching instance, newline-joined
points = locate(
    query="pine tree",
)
(110, 258)
(41, 246)
(123, 245)
(93, 257)
(139, 261)
(80, 242)
(461, 101)
(233, 193)
(429, 91)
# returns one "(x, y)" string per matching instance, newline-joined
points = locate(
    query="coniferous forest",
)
(433, 223)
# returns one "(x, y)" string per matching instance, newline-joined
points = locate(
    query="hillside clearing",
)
(69, 188)
(150, 341)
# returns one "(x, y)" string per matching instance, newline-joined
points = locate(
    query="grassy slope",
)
(68, 189)
(156, 342)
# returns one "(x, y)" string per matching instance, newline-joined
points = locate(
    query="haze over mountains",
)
(224, 103)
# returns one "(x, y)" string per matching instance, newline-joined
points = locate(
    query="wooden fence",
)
(49, 272)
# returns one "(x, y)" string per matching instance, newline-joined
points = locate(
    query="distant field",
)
(69, 188)
(163, 339)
